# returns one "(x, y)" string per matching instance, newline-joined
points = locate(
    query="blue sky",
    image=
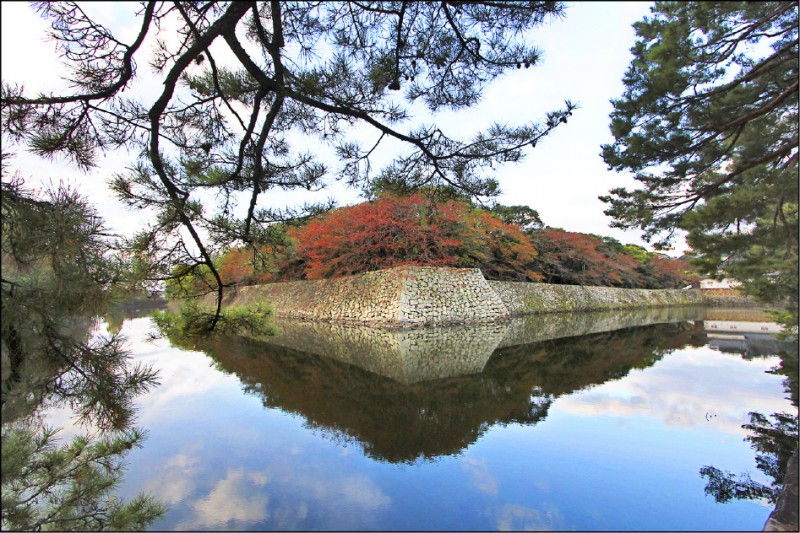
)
(585, 55)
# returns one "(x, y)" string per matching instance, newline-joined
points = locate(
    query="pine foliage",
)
(708, 123)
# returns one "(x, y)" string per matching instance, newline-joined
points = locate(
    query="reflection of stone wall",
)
(405, 355)
(740, 314)
(407, 421)
(524, 298)
(539, 327)
(418, 355)
(421, 296)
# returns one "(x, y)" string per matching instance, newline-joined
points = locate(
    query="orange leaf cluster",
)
(396, 230)
(411, 230)
(581, 259)
(238, 267)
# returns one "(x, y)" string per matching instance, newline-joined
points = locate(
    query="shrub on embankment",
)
(414, 230)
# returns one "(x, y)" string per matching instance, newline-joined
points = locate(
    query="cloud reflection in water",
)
(692, 388)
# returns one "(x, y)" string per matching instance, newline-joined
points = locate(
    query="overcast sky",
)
(585, 56)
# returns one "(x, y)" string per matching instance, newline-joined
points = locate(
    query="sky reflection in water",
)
(602, 431)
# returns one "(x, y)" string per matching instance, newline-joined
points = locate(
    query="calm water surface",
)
(583, 422)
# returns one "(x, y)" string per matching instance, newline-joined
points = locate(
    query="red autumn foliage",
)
(238, 266)
(575, 258)
(668, 273)
(411, 230)
(396, 230)
(581, 259)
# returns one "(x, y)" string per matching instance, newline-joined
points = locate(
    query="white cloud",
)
(175, 482)
(361, 492)
(183, 374)
(282, 494)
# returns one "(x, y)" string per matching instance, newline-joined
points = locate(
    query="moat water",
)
(597, 421)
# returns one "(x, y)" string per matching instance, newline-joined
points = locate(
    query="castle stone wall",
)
(412, 296)
(407, 296)
(528, 298)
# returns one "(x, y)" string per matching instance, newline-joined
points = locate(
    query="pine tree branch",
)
(125, 75)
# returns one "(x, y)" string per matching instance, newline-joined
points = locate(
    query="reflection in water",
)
(416, 355)
(403, 395)
(774, 440)
(131, 308)
(55, 356)
(406, 356)
(534, 328)
(393, 421)
(586, 432)
(749, 345)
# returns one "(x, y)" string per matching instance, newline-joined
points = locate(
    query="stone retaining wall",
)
(728, 298)
(407, 296)
(371, 297)
(526, 298)
(412, 296)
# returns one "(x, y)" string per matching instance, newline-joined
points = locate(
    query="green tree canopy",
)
(708, 123)
(49, 486)
(519, 215)
(307, 69)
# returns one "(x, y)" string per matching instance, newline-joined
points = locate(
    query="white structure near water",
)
(725, 283)
(728, 326)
